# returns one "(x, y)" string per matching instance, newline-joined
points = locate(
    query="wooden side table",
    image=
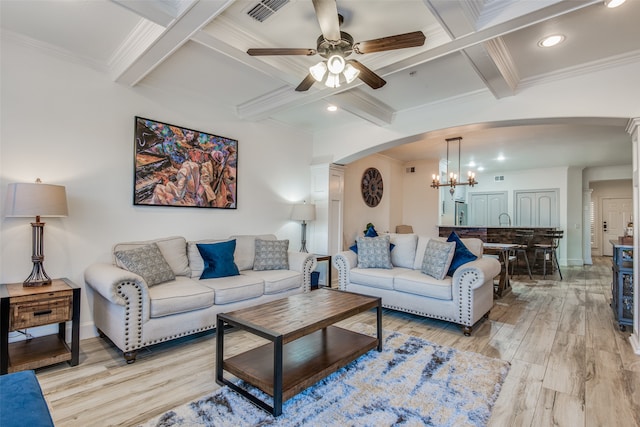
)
(28, 307)
(327, 259)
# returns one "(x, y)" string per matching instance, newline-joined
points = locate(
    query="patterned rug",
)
(412, 382)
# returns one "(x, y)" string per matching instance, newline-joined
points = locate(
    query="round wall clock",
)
(372, 187)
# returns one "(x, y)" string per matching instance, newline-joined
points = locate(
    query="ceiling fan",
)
(335, 45)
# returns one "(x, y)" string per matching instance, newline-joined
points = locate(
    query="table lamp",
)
(303, 212)
(39, 200)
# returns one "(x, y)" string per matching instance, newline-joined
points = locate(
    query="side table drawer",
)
(42, 311)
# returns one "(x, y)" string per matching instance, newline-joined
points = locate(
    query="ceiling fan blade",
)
(281, 51)
(306, 83)
(369, 77)
(327, 13)
(400, 41)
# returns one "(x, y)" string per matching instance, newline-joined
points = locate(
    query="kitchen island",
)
(496, 234)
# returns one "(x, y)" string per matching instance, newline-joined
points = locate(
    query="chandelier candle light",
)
(36, 199)
(452, 177)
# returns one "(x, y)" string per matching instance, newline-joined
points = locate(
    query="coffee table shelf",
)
(305, 361)
(305, 344)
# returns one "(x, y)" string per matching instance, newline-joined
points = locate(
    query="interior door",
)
(485, 208)
(536, 208)
(616, 214)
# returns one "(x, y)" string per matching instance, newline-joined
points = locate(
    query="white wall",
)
(73, 126)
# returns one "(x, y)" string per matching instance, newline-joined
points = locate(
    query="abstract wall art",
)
(176, 166)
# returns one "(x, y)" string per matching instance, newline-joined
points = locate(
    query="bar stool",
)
(549, 251)
(523, 239)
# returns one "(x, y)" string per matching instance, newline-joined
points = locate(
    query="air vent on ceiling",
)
(411, 169)
(498, 177)
(265, 9)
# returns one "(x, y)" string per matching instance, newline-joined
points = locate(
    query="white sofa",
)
(134, 315)
(463, 299)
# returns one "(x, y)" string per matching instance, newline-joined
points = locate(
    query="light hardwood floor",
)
(570, 364)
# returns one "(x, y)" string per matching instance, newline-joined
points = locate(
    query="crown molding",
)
(576, 71)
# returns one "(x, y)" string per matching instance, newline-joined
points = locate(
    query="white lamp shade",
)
(350, 73)
(303, 212)
(28, 200)
(318, 71)
(333, 80)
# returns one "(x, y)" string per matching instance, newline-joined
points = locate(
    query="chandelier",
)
(335, 65)
(452, 181)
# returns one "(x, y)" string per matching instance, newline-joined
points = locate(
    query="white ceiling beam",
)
(363, 105)
(153, 51)
(160, 12)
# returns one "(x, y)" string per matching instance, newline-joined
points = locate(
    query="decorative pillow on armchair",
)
(374, 252)
(147, 261)
(437, 258)
(271, 255)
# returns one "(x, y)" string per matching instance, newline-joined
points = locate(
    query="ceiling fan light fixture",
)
(318, 71)
(350, 73)
(333, 80)
(335, 64)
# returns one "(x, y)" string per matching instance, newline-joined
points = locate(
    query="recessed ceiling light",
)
(501, 158)
(613, 3)
(332, 108)
(550, 41)
(480, 168)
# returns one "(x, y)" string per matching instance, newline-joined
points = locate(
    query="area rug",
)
(412, 382)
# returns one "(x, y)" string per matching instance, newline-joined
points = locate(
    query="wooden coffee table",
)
(305, 345)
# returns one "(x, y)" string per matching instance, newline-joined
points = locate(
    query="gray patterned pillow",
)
(374, 252)
(437, 258)
(147, 261)
(271, 255)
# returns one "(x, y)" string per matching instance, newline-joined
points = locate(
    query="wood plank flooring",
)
(570, 364)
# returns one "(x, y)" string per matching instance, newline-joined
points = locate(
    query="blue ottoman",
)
(21, 401)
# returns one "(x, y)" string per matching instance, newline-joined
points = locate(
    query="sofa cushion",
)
(235, 288)
(146, 261)
(375, 277)
(178, 296)
(414, 282)
(218, 259)
(404, 252)
(437, 258)
(246, 249)
(461, 255)
(196, 263)
(374, 252)
(276, 281)
(174, 250)
(271, 255)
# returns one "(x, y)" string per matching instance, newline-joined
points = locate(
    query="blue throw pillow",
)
(371, 232)
(461, 256)
(218, 259)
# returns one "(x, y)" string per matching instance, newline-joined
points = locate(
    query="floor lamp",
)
(39, 200)
(303, 212)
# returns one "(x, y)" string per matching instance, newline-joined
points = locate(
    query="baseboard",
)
(635, 344)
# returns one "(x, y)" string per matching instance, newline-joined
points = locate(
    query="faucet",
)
(508, 219)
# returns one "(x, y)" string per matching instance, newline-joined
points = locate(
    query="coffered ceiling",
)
(198, 48)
